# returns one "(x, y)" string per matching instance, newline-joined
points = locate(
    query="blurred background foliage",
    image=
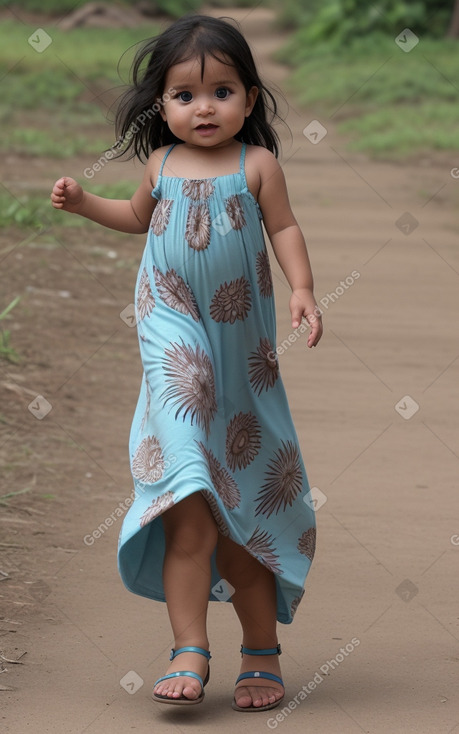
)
(331, 21)
(346, 70)
(338, 22)
(174, 8)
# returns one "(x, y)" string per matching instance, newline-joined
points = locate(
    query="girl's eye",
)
(185, 96)
(222, 93)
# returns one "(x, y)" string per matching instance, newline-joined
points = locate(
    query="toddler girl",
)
(223, 509)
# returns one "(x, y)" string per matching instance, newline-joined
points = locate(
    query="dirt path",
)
(375, 642)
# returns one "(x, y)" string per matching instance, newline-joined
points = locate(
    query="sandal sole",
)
(248, 709)
(177, 701)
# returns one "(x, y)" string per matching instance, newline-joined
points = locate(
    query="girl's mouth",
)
(206, 129)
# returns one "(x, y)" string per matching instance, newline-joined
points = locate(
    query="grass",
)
(385, 101)
(5, 497)
(35, 142)
(35, 211)
(407, 130)
(6, 350)
(77, 72)
(175, 8)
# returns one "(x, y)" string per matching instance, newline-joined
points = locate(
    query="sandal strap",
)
(266, 651)
(190, 648)
(188, 673)
(260, 674)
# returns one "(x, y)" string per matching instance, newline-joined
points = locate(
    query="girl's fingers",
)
(297, 315)
(57, 193)
(315, 323)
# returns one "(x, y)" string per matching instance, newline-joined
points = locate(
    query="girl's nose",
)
(204, 106)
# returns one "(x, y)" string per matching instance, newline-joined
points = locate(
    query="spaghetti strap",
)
(242, 161)
(165, 157)
(156, 193)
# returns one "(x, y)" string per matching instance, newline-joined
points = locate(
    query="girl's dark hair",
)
(139, 126)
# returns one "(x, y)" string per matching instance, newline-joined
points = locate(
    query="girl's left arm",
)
(288, 244)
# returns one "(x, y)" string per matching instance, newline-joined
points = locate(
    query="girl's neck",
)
(189, 161)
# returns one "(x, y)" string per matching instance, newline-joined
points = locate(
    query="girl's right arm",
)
(130, 215)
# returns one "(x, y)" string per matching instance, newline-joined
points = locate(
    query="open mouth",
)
(207, 126)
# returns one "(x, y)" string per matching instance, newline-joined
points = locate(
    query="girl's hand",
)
(67, 194)
(303, 303)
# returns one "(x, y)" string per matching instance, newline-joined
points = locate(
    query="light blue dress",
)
(212, 415)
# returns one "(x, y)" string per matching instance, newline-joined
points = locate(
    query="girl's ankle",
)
(204, 644)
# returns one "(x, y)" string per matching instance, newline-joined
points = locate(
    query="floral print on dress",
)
(211, 395)
(263, 367)
(307, 543)
(242, 440)
(157, 507)
(264, 275)
(224, 484)
(176, 293)
(231, 301)
(197, 231)
(145, 298)
(284, 481)
(161, 215)
(191, 385)
(216, 512)
(261, 544)
(235, 212)
(148, 461)
(198, 189)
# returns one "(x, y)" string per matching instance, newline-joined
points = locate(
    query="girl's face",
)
(206, 112)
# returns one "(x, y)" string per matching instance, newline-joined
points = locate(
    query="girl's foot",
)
(262, 691)
(184, 685)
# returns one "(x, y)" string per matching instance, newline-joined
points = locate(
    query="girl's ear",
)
(162, 111)
(252, 95)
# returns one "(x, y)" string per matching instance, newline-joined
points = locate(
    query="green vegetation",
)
(174, 8)
(35, 212)
(59, 102)
(35, 142)
(336, 22)
(386, 101)
(345, 64)
(78, 71)
(5, 497)
(408, 131)
(6, 350)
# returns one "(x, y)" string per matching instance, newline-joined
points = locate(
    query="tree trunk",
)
(453, 30)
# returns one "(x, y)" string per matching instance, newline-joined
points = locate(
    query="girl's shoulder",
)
(155, 161)
(157, 156)
(260, 166)
(261, 158)
(259, 153)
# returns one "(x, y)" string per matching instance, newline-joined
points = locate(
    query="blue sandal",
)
(183, 700)
(259, 674)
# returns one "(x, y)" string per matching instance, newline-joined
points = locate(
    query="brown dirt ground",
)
(388, 531)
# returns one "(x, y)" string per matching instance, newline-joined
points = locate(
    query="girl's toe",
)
(243, 697)
(256, 696)
(190, 692)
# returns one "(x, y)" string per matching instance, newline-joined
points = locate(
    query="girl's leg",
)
(191, 536)
(255, 603)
